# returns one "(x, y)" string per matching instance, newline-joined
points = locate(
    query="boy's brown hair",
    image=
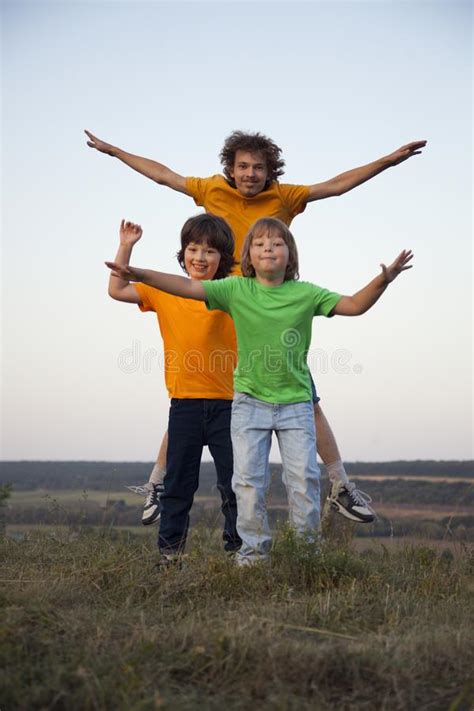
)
(253, 143)
(218, 235)
(270, 225)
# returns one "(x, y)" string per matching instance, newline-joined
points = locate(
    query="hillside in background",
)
(425, 498)
(106, 476)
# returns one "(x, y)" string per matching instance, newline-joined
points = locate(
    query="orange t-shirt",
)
(217, 196)
(199, 345)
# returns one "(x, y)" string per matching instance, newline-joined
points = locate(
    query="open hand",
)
(399, 265)
(125, 273)
(407, 151)
(99, 145)
(129, 233)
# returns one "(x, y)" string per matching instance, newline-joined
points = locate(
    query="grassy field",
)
(73, 499)
(89, 623)
(76, 498)
(452, 520)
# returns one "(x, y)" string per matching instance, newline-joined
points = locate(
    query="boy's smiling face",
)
(201, 261)
(249, 172)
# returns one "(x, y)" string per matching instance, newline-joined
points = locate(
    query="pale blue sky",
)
(336, 84)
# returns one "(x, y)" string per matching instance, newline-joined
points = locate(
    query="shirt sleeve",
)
(197, 188)
(145, 293)
(324, 301)
(295, 198)
(219, 293)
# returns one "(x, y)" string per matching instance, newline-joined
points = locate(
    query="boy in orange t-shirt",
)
(200, 357)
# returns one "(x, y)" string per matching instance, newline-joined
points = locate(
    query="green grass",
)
(90, 624)
(68, 497)
(41, 497)
(75, 498)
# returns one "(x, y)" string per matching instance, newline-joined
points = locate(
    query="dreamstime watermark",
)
(135, 359)
(289, 356)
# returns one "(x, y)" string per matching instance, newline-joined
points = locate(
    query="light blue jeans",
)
(252, 424)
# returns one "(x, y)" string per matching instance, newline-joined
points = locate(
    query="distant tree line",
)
(110, 476)
(417, 467)
(99, 476)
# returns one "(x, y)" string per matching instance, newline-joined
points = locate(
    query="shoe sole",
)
(152, 522)
(344, 512)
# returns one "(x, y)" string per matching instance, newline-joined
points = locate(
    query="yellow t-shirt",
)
(199, 345)
(217, 196)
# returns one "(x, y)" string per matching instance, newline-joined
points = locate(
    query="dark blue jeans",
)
(314, 394)
(193, 424)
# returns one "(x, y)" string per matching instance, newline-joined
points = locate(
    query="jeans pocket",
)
(239, 397)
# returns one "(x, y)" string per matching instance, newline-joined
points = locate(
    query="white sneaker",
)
(351, 502)
(152, 507)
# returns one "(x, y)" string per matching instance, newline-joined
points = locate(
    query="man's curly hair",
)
(218, 235)
(253, 143)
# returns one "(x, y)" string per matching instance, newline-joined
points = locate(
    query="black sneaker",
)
(152, 507)
(351, 502)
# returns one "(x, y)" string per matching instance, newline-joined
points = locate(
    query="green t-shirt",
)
(273, 326)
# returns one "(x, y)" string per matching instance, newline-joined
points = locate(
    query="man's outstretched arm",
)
(344, 182)
(149, 168)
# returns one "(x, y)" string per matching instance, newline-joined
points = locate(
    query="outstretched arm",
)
(344, 182)
(363, 300)
(149, 168)
(172, 284)
(121, 289)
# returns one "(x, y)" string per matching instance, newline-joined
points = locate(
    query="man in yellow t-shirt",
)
(249, 190)
(217, 195)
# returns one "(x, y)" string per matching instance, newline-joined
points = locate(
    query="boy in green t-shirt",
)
(272, 313)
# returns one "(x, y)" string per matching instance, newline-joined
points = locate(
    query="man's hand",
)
(405, 152)
(158, 172)
(99, 145)
(344, 182)
(398, 266)
(129, 233)
(125, 273)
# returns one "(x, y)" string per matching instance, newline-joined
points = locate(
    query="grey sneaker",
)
(152, 507)
(352, 503)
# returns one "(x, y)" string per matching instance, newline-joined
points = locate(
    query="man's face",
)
(250, 173)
